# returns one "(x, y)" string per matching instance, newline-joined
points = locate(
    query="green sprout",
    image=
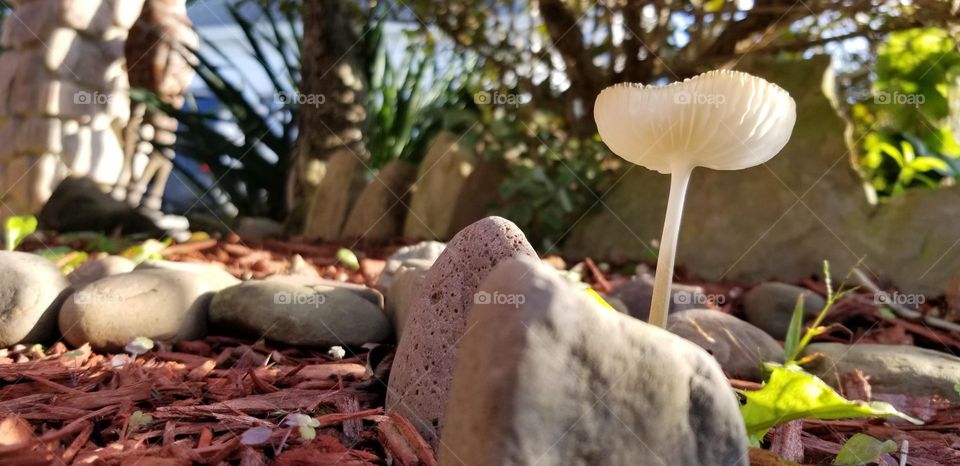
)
(16, 229)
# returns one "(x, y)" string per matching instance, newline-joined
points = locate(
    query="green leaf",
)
(603, 302)
(307, 432)
(792, 393)
(926, 164)
(139, 420)
(147, 250)
(863, 449)
(348, 259)
(791, 345)
(17, 228)
(886, 313)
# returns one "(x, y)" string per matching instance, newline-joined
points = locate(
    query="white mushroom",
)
(724, 120)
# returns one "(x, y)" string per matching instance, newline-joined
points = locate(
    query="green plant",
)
(893, 169)
(16, 228)
(907, 138)
(408, 102)
(248, 168)
(552, 177)
(794, 343)
(791, 393)
(147, 250)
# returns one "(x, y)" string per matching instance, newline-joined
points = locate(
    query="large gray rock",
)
(557, 379)
(425, 252)
(373, 296)
(427, 353)
(770, 305)
(891, 369)
(319, 316)
(637, 294)
(380, 209)
(740, 348)
(159, 303)
(30, 292)
(95, 269)
(404, 288)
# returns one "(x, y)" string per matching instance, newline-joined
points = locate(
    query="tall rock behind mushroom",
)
(63, 96)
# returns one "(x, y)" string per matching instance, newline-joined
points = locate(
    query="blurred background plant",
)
(552, 179)
(902, 114)
(413, 93)
(241, 139)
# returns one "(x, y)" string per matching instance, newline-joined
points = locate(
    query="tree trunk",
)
(330, 75)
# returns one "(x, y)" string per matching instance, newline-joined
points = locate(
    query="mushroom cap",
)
(724, 120)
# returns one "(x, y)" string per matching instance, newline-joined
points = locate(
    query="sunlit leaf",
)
(925, 164)
(147, 250)
(792, 393)
(348, 259)
(139, 420)
(596, 297)
(17, 228)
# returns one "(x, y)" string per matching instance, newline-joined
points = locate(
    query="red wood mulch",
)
(75, 407)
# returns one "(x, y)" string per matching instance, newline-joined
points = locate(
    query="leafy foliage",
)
(348, 258)
(249, 167)
(553, 178)
(791, 393)
(410, 101)
(907, 138)
(897, 168)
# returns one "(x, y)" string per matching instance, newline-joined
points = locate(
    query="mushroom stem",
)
(660, 304)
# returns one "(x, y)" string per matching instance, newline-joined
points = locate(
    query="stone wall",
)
(780, 220)
(63, 96)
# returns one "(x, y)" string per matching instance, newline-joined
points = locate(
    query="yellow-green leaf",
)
(792, 393)
(603, 302)
(16, 229)
(348, 259)
(147, 250)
